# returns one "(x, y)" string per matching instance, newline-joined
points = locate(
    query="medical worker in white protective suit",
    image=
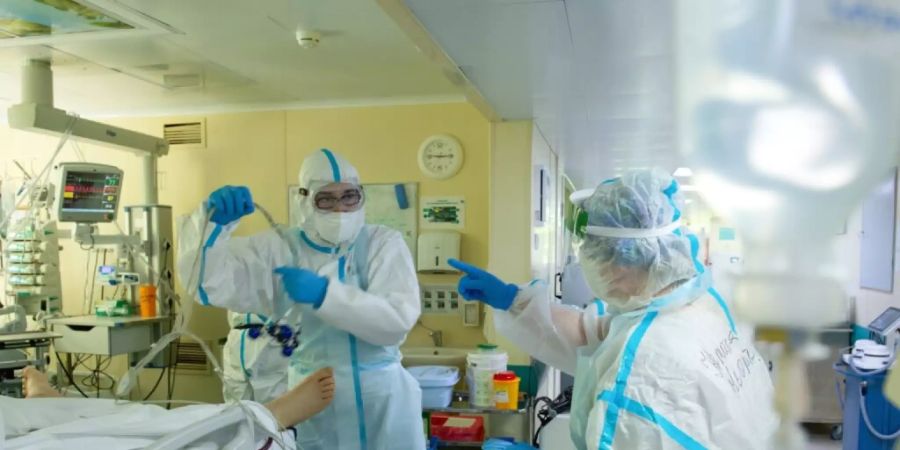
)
(355, 286)
(253, 369)
(665, 368)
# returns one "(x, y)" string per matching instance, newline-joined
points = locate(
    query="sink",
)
(434, 356)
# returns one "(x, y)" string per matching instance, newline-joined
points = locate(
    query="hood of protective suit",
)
(320, 169)
(633, 246)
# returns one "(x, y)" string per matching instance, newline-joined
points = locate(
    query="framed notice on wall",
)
(443, 213)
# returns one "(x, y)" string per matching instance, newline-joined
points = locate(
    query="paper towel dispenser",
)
(435, 248)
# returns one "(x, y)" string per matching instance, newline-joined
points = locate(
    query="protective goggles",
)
(337, 196)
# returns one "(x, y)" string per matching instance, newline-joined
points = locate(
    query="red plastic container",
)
(457, 428)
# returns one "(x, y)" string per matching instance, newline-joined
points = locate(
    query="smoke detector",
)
(308, 38)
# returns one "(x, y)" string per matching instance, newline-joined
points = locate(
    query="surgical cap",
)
(633, 231)
(325, 166)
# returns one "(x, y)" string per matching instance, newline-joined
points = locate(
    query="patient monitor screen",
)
(91, 193)
(887, 320)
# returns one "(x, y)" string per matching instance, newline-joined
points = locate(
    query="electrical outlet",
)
(439, 299)
(471, 313)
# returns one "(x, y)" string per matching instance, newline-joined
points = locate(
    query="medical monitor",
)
(89, 193)
(887, 322)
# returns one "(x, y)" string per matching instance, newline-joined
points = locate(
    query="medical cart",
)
(870, 421)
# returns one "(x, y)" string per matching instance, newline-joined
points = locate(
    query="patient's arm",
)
(294, 406)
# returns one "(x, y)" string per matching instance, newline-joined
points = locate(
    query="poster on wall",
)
(443, 213)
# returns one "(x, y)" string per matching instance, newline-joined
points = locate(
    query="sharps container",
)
(506, 390)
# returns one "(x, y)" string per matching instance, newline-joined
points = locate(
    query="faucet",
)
(437, 336)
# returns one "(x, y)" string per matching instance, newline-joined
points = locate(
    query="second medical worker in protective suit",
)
(665, 368)
(357, 292)
(254, 369)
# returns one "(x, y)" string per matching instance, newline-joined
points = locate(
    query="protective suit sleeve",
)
(549, 332)
(383, 314)
(233, 272)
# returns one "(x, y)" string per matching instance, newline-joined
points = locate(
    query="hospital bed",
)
(65, 423)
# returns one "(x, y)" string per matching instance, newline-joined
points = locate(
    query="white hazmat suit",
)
(371, 303)
(665, 368)
(254, 369)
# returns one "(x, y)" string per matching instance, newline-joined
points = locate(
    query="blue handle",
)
(400, 192)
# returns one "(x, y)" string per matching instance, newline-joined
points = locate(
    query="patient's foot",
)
(304, 400)
(35, 384)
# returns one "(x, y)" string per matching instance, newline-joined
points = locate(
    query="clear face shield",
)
(580, 222)
(619, 263)
(596, 256)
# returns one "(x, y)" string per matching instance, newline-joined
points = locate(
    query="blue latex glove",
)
(480, 285)
(303, 286)
(231, 203)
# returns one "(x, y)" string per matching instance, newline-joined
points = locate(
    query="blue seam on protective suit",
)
(360, 412)
(601, 308)
(670, 194)
(695, 251)
(204, 298)
(264, 319)
(317, 247)
(612, 412)
(533, 282)
(721, 301)
(647, 413)
(243, 363)
(354, 365)
(335, 170)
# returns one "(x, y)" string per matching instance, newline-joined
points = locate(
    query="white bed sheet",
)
(75, 423)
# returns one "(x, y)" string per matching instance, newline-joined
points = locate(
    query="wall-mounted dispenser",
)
(435, 248)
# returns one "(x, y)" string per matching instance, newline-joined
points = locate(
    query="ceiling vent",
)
(190, 356)
(191, 134)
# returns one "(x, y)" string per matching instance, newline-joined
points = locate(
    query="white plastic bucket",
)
(480, 370)
(437, 384)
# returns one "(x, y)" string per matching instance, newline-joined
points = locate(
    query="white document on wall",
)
(383, 207)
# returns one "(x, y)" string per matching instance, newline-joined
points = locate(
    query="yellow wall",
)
(263, 150)
(510, 235)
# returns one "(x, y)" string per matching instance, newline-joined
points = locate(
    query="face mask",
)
(339, 228)
(606, 287)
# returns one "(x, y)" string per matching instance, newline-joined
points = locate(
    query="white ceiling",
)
(243, 54)
(595, 75)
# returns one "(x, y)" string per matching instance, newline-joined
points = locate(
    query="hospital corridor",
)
(449, 224)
